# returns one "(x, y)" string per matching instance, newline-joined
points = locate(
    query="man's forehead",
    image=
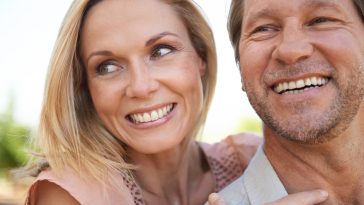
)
(254, 9)
(265, 5)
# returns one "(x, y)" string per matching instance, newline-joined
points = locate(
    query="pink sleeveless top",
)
(227, 159)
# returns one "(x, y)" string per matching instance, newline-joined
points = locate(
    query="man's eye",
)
(320, 20)
(161, 50)
(108, 67)
(262, 29)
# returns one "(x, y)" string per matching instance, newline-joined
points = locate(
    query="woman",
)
(129, 87)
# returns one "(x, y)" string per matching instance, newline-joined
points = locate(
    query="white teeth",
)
(287, 87)
(140, 118)
(160, 113)
(152, 115)
(291, 85)
(300, 84)
(308, 82)
(314, 81)
(146, 117)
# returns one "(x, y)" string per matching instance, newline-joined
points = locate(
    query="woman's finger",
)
(302, 198)
(214, 199)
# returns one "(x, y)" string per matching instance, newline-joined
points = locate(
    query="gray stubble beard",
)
(321, 128)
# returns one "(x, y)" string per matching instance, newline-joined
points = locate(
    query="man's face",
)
(302, 64)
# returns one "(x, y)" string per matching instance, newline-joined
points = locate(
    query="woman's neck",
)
(174, 176)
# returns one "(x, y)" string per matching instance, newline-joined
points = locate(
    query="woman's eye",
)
(161, 50)
(106, 68)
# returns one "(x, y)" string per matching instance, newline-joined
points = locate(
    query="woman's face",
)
(143, 73)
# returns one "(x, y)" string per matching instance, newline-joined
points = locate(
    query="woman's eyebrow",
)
(96, 53)
(148, 43)
(159, 36)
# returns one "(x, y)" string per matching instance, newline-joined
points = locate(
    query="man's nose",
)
(294, 46)
(141, 83)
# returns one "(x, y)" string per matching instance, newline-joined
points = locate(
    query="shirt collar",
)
(261, 181)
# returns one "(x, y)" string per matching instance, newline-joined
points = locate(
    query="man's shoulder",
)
(259, 184)
(235, 193)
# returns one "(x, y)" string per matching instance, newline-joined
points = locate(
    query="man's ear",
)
(242, 84)
(241, 76)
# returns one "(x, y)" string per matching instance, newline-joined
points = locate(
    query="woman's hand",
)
(214, 199)
(301, 198)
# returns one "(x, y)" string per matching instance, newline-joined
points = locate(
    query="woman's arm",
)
(46, 192)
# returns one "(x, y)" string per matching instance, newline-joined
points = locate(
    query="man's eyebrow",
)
(320, 4)
(329, 5)
(312, 4)
(159, 36)
(264, 13)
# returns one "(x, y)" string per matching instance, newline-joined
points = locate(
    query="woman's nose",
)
(141, 83)
(294, 46)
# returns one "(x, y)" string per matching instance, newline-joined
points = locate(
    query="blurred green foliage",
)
(13, 140)
(253, 125)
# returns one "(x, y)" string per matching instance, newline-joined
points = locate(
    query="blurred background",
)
(28, 29)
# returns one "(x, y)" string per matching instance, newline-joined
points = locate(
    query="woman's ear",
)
(202, 67)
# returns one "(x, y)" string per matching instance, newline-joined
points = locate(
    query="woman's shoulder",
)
(71, 188)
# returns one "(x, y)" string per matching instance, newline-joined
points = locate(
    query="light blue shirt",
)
(258, 185)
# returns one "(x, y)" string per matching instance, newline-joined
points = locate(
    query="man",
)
(302, 67)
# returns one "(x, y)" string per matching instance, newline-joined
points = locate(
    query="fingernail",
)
(324, 193)
(213, 197)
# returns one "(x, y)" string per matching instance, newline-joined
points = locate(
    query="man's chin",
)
(303, 131)
(306, 138)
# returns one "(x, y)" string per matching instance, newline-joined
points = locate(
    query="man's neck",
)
(336, 165)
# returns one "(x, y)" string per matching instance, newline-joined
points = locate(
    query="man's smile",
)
(300, 85)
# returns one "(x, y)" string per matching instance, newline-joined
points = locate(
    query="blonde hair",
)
(70, 132)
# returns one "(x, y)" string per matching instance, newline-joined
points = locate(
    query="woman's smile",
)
(152, 117)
